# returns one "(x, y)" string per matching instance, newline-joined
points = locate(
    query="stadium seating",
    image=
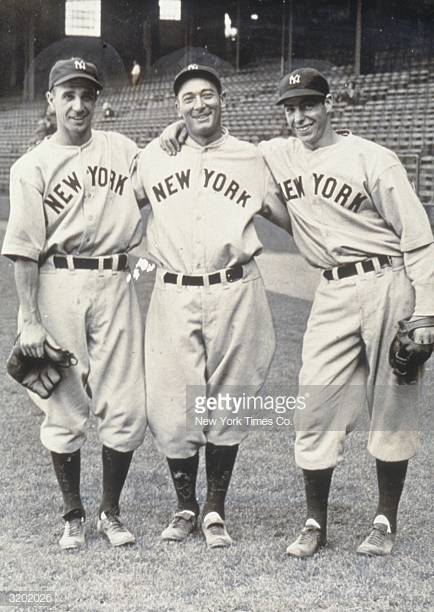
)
(395, 109)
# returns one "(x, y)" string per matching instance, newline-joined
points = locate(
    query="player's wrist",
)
(30, 318)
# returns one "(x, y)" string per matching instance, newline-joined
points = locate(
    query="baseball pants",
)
(345, 368)
(210, 338)
(95, 315)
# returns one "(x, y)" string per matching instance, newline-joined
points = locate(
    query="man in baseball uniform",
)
(356, 217)
(209, 325)
(73, 219)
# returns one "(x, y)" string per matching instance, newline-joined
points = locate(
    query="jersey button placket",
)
(198, 216)
(89, 233)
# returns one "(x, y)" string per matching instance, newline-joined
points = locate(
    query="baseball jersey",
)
(73, 200)
(347, 201)
(203, 202)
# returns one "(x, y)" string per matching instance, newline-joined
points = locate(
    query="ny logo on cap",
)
(294, 79)
(192, 67)
(80, 65)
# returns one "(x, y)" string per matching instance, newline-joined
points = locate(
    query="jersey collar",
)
(82, 146)
(212, 145)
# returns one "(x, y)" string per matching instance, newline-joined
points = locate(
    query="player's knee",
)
(177, 444)
(318, 450)
(62, 441)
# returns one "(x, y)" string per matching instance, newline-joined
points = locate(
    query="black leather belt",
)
(350, 269)
(91, 263)
(230, 274)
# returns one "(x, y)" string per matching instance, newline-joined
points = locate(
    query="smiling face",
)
(200, 105)
(309, 119)
(74, 105)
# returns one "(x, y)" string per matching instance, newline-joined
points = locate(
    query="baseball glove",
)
(39, 375)
(405, 355)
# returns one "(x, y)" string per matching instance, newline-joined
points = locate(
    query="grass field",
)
(265, 510)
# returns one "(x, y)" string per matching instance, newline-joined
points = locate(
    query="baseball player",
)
(209, 325)
(73, 219)
(355, 216)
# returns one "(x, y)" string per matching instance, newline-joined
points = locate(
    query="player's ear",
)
(49, 97)
(328, 103)
(223, 99)
(177, 106)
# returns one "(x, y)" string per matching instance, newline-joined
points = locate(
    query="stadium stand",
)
(395, 109)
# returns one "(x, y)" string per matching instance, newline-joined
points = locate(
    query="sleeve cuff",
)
(14, 251)
(424, 305)
(416, 243)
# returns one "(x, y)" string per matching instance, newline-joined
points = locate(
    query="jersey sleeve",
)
(25, 233)
(272, 148)
(273, 206)
(398, 204)
(419, 265)
(127, 145)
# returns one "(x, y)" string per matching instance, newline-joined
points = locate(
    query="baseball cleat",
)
(74, 534)
(309, 542)
(180, 527)
(379, 542)
(214, 529)
(112, 527)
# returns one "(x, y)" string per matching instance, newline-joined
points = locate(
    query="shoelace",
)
(215, 529)
(73, 528)
(180, 520)
(115, 523)
(377, 535)
(307, 534)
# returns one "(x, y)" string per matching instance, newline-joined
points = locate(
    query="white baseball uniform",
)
(221, 334)
(77, 201)
(348, 202)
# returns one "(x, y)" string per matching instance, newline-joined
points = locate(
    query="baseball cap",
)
(193, 71)
(73, 68)
(302, 82)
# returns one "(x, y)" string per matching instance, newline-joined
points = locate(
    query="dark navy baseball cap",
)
(303, 82)
(196, 71)
(73, 68)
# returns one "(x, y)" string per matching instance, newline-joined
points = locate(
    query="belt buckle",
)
(229, 275)
(232, 273)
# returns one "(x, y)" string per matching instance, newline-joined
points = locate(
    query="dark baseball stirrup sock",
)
(184, 475)
(317, 486)
(391, 479)
(67, 469)
(220, 461)
(115, 466)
